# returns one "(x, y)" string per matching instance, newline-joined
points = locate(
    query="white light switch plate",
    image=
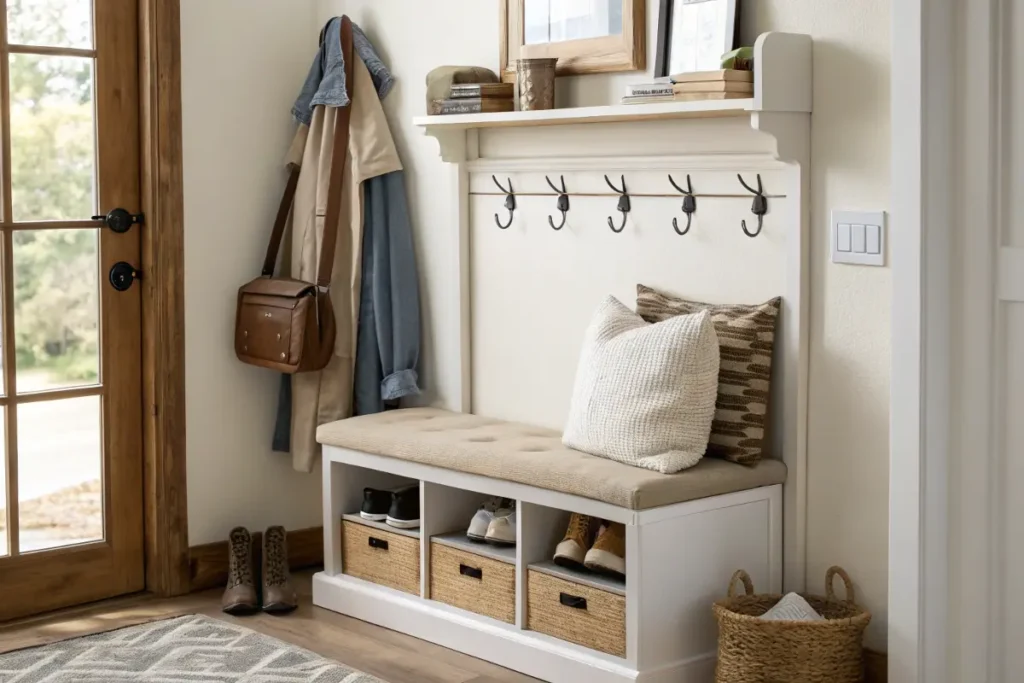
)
(858, 237)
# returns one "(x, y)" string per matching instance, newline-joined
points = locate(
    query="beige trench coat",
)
(326, 396)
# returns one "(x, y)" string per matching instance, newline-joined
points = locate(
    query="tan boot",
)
(608, 556)
(279, 595)
(578, 538)
(240, 595)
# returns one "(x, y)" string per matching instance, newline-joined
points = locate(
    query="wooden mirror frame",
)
(625, 52)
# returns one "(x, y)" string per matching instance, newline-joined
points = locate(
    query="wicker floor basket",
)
(751, 650)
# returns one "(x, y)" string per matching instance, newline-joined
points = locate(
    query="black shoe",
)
(375, 505)
(405, 508)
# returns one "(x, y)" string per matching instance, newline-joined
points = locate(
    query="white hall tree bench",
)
(685, 535)
(514, 357)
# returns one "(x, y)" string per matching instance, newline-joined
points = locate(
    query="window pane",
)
(54, 23)
(60, 489)
(56, 308)
(53, 147)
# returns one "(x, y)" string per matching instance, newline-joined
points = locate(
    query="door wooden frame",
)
(163, 307)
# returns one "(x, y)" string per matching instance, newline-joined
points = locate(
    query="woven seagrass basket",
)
(751, 650)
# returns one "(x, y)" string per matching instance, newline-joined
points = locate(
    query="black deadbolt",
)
(121, 220)
(123, 275)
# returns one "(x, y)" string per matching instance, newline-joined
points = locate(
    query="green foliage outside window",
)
(52, 140)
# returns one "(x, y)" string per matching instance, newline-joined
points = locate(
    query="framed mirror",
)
(694, 34)
(586, 36)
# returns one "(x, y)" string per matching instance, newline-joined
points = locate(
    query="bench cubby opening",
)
(573, 605)
(352, 480)
(343, 494)
(469, 575)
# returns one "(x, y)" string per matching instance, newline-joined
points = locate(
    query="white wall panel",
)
(243, 63)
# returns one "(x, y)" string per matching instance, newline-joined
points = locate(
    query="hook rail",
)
(647, 195)
(759, 207)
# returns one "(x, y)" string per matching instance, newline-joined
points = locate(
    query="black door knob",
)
(123, 275)
(121, 220)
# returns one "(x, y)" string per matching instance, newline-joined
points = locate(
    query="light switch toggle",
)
(858, 237)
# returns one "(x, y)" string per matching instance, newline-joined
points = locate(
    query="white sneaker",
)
(481, 521)
(502, 529)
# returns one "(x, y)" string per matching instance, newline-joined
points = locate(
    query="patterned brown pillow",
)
(746, 335)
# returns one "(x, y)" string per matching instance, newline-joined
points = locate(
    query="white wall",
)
(850, 327)
(848, 441)
(243, 63)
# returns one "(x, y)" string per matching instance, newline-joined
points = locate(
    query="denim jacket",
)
(387, 357)
(325, 83)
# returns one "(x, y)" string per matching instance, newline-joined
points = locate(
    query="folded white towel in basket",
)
(792, 608)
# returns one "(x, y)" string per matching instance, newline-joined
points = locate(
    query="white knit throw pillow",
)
(645, 394)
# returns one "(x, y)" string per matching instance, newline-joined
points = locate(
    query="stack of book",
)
(725, 84)
(475, 98)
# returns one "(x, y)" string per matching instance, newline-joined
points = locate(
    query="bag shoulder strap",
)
(336, 187)
(336, 184)
(281, 221)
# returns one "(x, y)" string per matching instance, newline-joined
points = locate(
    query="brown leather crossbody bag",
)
(285, 324)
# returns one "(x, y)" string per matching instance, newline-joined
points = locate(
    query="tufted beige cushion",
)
(535, 456)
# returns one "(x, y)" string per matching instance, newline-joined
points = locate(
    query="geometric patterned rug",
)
(187, 649)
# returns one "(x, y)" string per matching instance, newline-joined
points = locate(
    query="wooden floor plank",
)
(391, 656)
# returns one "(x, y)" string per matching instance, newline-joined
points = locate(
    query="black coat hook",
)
(510, 203)
(624, 205)
(760, 207)
(689, 204)
(563, 202)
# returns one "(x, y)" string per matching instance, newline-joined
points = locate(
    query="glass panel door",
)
(70, 345)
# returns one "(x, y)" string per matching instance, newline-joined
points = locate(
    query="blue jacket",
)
(388, 351)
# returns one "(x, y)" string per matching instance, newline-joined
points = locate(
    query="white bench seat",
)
(535, 456)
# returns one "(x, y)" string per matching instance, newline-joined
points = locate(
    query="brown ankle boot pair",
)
(594, 544)
(240, 597)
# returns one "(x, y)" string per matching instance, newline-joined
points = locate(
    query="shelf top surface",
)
(577, 115)
(356, 519)
(460, 541)
(587, 578)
